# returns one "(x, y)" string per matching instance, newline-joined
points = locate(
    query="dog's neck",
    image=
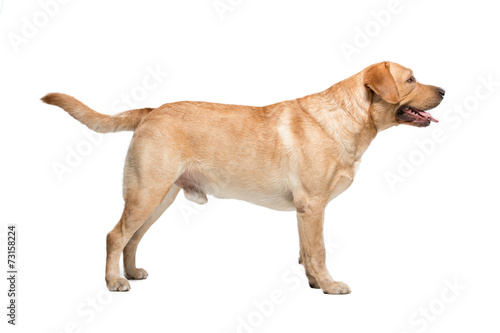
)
(344, 116)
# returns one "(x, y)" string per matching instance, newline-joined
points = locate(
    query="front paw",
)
(118, 284)
(136, 274)
(337, 288)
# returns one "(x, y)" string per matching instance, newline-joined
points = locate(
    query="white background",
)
(395, 246)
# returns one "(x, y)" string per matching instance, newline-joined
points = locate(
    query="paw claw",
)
(314, 285)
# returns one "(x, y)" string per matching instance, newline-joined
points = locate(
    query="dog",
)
(293, 155)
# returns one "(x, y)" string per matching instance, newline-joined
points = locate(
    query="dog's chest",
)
(342, 180)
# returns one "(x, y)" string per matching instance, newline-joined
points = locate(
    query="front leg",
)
(312, 280)
(310, 216)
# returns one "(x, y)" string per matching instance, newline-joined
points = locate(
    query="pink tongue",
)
(427, 116)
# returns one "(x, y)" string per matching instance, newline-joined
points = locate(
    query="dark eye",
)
(411, 79)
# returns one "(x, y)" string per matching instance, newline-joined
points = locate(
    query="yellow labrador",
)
(294, 155)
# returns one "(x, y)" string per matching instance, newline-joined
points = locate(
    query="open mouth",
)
(415, 116)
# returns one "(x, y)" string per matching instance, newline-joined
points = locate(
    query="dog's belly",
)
(197, 185)
(277, 201)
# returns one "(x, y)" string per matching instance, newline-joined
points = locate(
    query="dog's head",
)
(397, 97)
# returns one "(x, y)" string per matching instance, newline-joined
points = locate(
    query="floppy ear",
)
(379, 79)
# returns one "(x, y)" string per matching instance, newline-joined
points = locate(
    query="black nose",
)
(441, 92)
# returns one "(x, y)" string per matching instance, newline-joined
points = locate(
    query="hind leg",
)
(139, 205)
(152, 166)
(129, 253)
